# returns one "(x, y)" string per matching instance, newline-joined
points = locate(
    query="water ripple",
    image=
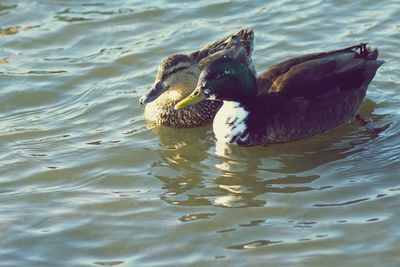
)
(84, 182)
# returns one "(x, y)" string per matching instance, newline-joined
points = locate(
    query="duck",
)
(292, 100)
(177, 76)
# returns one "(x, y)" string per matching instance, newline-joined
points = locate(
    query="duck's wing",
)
(243, 38)
(236, 52)
(238, 46)
(318, 74)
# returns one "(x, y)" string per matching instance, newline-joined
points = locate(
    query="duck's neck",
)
(176, 95)
(230, 123)
(241, 90)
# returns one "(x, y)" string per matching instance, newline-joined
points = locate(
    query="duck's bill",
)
(156, 90)
(195, 97)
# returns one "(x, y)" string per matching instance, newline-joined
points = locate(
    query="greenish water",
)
(84, 182)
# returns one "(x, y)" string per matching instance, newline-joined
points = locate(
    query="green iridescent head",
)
(223, 79)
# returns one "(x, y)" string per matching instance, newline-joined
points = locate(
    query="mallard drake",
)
(292, 100)
(177, 77)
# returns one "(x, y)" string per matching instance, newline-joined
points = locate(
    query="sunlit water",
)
(84, 182)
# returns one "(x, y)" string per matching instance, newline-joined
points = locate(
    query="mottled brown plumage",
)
(177, 77)
(194, 116)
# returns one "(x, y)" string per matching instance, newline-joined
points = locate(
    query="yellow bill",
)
(195, 97)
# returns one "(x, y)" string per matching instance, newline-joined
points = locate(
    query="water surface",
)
(84, 182)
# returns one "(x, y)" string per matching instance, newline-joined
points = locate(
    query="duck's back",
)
(311, 94)
(316, 74)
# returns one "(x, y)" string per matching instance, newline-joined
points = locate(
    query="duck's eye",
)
(215, 76)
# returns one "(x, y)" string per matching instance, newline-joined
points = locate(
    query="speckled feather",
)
(161, 111)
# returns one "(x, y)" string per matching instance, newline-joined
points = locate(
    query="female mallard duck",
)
(177, 77)
(295, 99)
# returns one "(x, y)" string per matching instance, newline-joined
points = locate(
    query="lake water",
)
(84, 182)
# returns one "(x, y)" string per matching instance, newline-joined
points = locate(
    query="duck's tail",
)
(365, 51)
(372, 63)
(372, 55)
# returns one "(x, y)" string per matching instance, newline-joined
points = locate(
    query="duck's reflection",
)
(197, 171)
(183, 154)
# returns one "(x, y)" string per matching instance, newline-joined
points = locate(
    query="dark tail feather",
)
(373, 54)
(363, 51)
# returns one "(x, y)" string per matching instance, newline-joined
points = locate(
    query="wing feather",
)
(318, 74)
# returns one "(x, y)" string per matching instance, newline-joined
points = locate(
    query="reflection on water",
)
(200, 138)
(254, 244)
(232, 176)
(84, 182)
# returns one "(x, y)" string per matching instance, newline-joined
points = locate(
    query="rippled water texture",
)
(84, 182)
